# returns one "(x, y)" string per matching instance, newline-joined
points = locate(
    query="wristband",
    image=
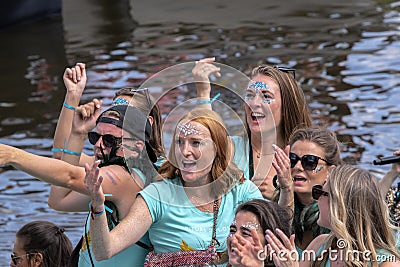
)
(201, 102)
(72, 152)
(54, 149)
(93, 213)
(68, 106)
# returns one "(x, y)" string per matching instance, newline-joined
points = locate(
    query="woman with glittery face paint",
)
(192, 207)
(274, 103)
(246, 242)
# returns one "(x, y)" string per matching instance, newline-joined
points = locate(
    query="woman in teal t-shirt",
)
(191, 208)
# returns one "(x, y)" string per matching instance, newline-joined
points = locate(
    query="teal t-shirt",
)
(177, 222)
(241, 155)
(133, 256)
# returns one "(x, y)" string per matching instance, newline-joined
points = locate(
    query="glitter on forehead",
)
(188, 129)
(250, 225)
(259, 85)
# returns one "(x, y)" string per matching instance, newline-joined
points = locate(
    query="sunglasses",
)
(317, 192)
(309, 162)
(108, 139)
(15, 260)
(286, 70)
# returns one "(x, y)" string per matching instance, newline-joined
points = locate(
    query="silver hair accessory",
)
(188, 129)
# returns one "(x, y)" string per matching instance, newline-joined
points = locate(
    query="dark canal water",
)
(346, 54)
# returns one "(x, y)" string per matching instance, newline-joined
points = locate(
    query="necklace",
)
(200, 206)
(259, 153)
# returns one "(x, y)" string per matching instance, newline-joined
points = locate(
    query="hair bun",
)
(60, 231)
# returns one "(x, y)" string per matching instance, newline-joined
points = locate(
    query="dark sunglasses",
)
(317, 192)
(286, 70)
(15, 260)
(108, 139)
(309, 162)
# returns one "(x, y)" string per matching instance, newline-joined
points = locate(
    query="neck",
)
(305, 198)
(199, 182)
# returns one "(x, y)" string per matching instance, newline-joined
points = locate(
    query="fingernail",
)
(268, 232)
(274, 146)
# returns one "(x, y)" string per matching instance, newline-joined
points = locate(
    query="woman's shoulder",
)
(317, 242)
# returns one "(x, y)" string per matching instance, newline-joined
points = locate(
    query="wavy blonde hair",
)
(224, 172)
(358, 215)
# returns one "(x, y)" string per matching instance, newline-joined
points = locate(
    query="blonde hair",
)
(358, 215)
(224, 172)
(145, 102)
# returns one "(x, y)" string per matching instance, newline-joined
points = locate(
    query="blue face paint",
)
(258, 88)
(259, 85)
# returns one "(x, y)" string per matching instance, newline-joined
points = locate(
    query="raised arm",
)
(201, 72)
(387, 181)
(106, 244)
(75, 82)
(65, 199)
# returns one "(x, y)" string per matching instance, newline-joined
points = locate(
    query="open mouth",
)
(298, 179)
(188, 164)
(256, 116)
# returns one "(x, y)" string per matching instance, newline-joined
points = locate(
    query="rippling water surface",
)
(346, 54)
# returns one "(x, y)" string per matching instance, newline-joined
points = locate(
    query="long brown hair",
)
(294, 109)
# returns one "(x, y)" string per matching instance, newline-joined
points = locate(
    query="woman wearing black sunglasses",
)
(352, 207)
(41, 244)
(313, 152)
(125, 141)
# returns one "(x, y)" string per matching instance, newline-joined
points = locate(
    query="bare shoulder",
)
(317, 242)
(390, 264)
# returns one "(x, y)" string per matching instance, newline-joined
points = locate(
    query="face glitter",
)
(188, 129)
(259, 85)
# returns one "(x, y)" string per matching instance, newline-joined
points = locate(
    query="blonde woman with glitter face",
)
(271, 91)
(246, 242)
(351, 206)
(192, 208)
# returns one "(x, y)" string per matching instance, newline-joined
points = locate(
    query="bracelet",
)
(201, 102)
(285, 187)
(93, 213)
(72, 152)
(54, 149)
(68, 106)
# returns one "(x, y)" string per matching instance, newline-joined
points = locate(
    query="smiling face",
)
(194, 153)
(262, 95)
(305, 179)
(242, 225)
